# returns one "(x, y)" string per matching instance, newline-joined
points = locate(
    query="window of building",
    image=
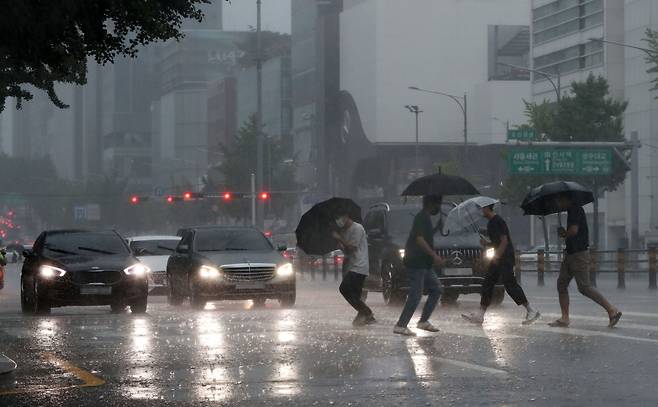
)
(570, 59)
(563, 17)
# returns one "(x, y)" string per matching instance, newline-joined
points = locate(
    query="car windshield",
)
(77, 243)
(401, 220)
(162, 247)
(219, 240)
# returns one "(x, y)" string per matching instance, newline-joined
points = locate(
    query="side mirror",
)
(282, 248)
(141, 251)
(28, 253)
(183, 248)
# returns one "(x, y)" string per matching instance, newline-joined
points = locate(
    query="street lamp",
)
(557, 87)
(648, 51)
(462, 106)
(416, 111)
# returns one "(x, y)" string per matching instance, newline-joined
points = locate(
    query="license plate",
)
(251, 285)
(458, 272)
(95, 290)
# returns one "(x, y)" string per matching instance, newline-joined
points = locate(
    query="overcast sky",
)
(240, 14)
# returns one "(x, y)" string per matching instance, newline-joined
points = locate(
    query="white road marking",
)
(604, 321)
(472, 366)
(585, 332)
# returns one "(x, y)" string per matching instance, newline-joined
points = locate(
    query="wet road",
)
(232, 354)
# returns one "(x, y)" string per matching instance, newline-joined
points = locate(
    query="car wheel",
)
(117, 308)
(26, 305)
(41, 304)
(196, 301)
(288, 301)
(259, 302)
(139, 307)
(392, 294)
(449, 299)
(498, 296)
(172, 297)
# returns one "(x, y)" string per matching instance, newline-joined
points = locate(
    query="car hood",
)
(462, 241)
(84, 262)
(155, 263)
(224, 258)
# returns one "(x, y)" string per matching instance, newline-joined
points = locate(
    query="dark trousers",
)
(513, 288)
(351, 288)
(419, 280)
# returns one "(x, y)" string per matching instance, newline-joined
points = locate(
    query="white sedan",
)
(154, 251)
(554, 255)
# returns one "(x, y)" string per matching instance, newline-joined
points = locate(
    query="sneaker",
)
(370, 319)
(531, 317)
(359, 320)
(403, 330)
(427, 326)
(473, 319)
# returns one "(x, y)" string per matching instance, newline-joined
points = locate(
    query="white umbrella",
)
(466, 214)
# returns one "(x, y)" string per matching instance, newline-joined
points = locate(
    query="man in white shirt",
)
(354, 243)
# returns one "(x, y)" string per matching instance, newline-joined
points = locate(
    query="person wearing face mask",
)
(420, 260)
(501, 266)
(351, 237)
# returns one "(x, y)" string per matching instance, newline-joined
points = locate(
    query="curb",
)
(6, 365)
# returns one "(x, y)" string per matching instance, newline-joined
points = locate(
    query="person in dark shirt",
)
(419, 260)
(501, 266)
(576, 264)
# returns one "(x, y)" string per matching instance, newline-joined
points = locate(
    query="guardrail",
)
(621, 261)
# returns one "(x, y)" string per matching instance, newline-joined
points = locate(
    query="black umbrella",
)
(440, 184)
(541, 201)
(315, 226)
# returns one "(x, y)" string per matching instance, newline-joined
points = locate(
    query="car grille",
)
(248, 273)
(97, 277)
(460, 257)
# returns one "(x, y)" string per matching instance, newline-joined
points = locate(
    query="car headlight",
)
(208, 272)
(285, 270)
(490, 253)
(51, 271)
(138, 270)
(401, 251)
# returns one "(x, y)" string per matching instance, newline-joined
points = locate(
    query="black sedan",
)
(228, 263)
(77, 267)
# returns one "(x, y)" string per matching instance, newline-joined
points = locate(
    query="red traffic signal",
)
(264, 196)
(187, 196)
(134, 199)
(227, 196)
(170, 199)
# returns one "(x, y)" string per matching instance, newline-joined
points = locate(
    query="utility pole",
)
(259, 117)
(253, 199)
(635, 191)
(416, 111)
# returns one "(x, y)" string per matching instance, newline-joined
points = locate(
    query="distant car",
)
(154, 252)
(530, 256)
(78, 267)
(228, 263)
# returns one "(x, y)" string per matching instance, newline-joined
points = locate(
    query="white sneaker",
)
(403, 330)
(427, 326)
(473, 319)
(531, 317)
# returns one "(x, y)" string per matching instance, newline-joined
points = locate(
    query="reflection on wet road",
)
(233, 353)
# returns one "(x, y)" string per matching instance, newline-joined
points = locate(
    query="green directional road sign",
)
(522, 135)
(554, 161)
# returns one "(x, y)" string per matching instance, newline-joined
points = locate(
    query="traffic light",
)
(227, 196)
(170, 199)
(264, 196)
(188, 196)
(134, 200)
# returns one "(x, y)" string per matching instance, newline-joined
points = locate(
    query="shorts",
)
(576, 265)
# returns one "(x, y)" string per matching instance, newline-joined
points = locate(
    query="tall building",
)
(562, 47)
(642, 113)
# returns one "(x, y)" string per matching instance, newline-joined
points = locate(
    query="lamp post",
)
(259, 116)
(648, 51)
(557, 87)
(416, 111)
(462, 105)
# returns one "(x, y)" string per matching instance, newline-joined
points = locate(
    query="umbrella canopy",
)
(441, 185)
(468, 213)
(542, 200)
(315, 226)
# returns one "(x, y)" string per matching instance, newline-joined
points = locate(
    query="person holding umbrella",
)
(420, 260)
(576, 263)
(352, 239)
(501, 264)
